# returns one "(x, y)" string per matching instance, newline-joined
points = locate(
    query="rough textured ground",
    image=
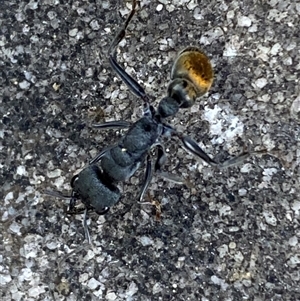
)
(234, 235)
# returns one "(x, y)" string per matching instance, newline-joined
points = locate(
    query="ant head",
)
(192, 76)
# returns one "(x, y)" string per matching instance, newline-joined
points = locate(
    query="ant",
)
(191, 77)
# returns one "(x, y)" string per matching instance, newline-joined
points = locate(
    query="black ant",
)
(191, 77)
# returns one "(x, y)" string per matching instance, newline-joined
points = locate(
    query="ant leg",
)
(104, 211)
(147, 180)
(235, 160)
(101, 154)
(119, 124)
(192, 146)
(160, 161)
(132, 84)
(119, 37)
(57, 194)
(161, 158)
(72, 210)
(85, 227)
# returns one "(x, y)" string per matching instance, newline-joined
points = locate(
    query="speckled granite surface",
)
(234, 235)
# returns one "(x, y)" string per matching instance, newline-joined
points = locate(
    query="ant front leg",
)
(132, 84)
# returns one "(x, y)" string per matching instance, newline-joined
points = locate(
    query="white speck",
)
(242, 192)
(25, 275)
(294, 261)
(219, 282)
(95, 25)
(51, 15)
(2, 41)
(83, 277)
(124, 11)
(24, 85)
(293, 241)
(20, 16)
(54, 173)
(9, 196)
(263, 52)
(17, 296)
(36, 291)
(59, 182)
(52, 245)
(111, 296)
(244, 21)
(260, 82)
(230, 15)
(159, 7)
(90, 255)
(295, 107)
(223, 250)
(222, 118)
(275, 49)
(28, 75)
(32, 5)
(132, 289)
(21, 170)
(4, 279)
(73, 32)
(232, 245)
(267, 141)
(15, 228)
(229, 50)
(206, 237)
(234, 229)
(191, 5)
(156, 288)
(31, 248)
(197, 13)
(225, 210)
(270, 218)
(146, 241)
(287, 61)
(239, 257)
(296, 207)
(93, 284)
(268, 173)
(246, 168)
(276, 15)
